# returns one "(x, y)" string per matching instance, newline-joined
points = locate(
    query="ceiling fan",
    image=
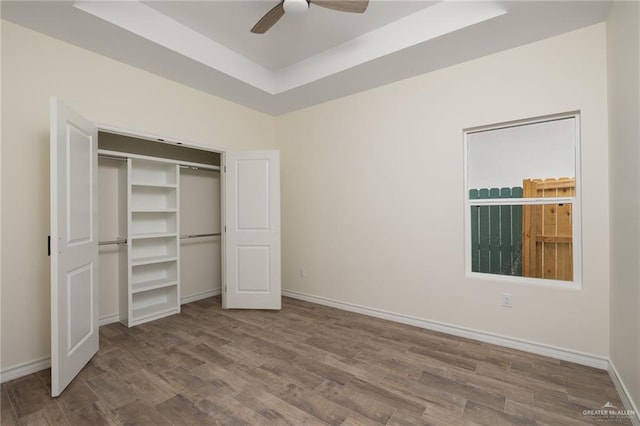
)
(295, 6)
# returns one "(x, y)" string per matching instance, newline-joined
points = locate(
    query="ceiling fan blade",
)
(353, 6)
(269, 19)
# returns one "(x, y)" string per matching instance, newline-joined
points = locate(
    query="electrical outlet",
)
(303, 272)
(507, 300)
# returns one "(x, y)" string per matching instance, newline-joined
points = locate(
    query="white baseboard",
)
(24, 369)
(509, 342)
(108, 319)
(200, 296)
(624, 393)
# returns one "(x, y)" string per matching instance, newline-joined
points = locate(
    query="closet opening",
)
(160, 224)
(156, 205)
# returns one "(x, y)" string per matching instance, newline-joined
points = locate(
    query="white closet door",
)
(252, 240)
(74, 244)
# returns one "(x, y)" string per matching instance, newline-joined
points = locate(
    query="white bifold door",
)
(251, 266)
(73, 244)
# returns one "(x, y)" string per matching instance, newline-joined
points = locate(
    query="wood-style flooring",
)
(306, 364)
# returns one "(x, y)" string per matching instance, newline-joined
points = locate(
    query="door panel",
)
(74, 245)
(253, 195)
(252, 239)
(254, 269)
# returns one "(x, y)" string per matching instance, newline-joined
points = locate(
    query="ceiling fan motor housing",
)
(301, 6)
(296, 6)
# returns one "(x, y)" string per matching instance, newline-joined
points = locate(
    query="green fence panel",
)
(506, 235)
(496, 233)
(475, 253)
(516, 213)
(484, 235)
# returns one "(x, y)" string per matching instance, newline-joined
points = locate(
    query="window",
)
(522, 201)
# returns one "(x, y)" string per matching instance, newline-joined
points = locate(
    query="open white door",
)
(252, 240)
(74, 244)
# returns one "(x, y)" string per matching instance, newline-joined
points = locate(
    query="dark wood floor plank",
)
(476, 351)
(28, 395)
(393, 361)
(269, 406)
(484, 415)
(315, 404)
(467, 390)
(305, 365)
(78, 395)
(225, 409)
(401, 418)
(370, 373)
(119, 361)
(383, 396)
(51, 414)
(437, 415)
(96, 414)
(291, 373)
(369, 408)
(8, 415)
(112, 389)
(221, 377)
(524, 379)
(446, 358)
(324, 370)
(542, 416)
(182, 379)
(427, 395)
(140, 413)
(179, 410)
(150, 387)
(514, 392)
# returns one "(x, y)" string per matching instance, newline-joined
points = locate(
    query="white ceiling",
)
(304, 59)
(293, 38)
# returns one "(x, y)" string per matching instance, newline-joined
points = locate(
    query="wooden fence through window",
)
(524, 240)
(547, 243)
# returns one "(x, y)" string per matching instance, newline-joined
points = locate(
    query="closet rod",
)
(118, 241)
(198, 168)
(109, 157)
(184, 237)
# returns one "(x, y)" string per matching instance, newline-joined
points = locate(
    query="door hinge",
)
(225, 228)
(225, 169)
(48, 245)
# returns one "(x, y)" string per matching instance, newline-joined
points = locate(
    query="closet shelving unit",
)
(153, 287)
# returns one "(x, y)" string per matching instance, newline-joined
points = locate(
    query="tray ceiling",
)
(304, 59)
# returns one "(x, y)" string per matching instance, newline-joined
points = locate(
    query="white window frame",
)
(576, 284)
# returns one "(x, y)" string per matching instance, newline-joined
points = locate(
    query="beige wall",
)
(112, 224)
(372, 184)
(35, 67)
(623, 48)
(200, 258)
(372, 188)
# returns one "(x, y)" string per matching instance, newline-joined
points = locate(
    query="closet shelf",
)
(154, 185)
(152, 259)
(153, 229)
(153, 235)
(153, 311)
(152, 285)
(167, 210)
